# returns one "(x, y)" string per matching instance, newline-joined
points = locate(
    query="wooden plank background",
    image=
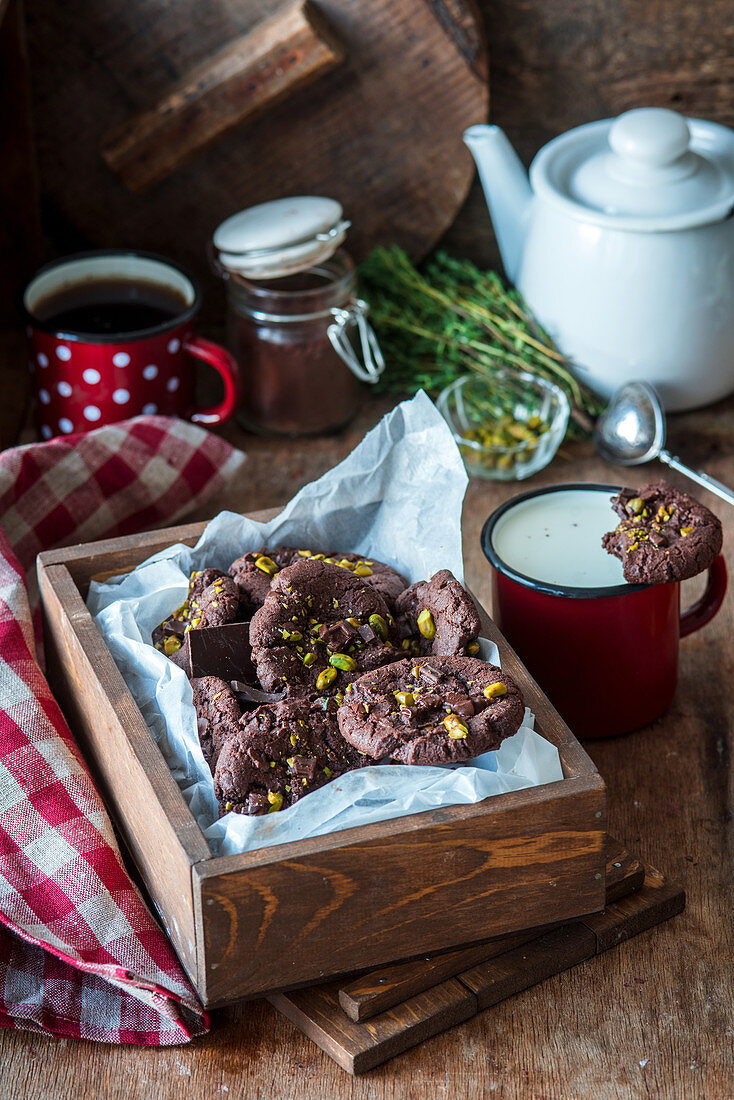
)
(553, 64)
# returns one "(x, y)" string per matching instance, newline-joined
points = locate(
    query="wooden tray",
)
(297, 913)
(365, 1022)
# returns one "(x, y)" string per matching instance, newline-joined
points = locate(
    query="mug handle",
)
(703, 610)
(226, 365)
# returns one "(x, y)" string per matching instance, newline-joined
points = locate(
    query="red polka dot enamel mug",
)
(112, 336)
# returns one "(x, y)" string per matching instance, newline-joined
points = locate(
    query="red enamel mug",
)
(605, 654)
(111, 336)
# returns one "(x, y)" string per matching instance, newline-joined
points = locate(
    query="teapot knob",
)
(651, 136)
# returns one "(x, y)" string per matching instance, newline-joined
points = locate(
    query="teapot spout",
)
(506, 189)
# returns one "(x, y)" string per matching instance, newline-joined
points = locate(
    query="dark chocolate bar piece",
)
(222, 651)
(247, 693)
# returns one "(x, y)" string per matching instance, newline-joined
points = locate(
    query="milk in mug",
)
(555, 538)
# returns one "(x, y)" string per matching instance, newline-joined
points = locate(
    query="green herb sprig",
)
(450, 318)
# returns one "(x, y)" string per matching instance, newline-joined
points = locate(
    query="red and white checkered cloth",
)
(80, 954)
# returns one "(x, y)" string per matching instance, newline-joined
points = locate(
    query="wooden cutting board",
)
(379, 129)
(363, 1023)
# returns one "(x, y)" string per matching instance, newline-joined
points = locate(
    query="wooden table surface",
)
(653, 1018)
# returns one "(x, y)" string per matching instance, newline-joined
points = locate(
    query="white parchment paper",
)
(396, 497)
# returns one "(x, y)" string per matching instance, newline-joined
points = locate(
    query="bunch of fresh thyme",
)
(451, 318)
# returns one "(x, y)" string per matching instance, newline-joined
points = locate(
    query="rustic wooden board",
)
(381, 989)
(381, 132)
(358, 1047)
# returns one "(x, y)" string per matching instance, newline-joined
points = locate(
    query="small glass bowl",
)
(508, 404)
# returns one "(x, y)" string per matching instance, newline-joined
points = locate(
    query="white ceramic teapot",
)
(622, 244)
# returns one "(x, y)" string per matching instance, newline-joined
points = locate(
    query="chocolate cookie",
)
(218, 715)
(212, 600)
(253, 572)
(280, 753)
(664, 535)
(383, 578)
(438, 617)
(320, 628)
(433, 710)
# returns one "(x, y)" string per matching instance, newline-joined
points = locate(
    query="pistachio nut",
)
(405, 698)
(276, 801)
(635, 506)
(472, 649)
(685, 531)
(379, 626)
(426, 624)
(495, 691)
(325, 678)
(171, 646)
(343, 662)
(309, 659)
(456, 728)
(267, 565)
(361, 569)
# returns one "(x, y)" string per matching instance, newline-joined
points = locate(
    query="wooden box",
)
(297, 913)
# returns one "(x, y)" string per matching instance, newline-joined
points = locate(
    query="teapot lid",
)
(280, 237)
(649, 169)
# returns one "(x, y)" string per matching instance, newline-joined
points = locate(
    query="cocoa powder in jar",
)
(294, 381)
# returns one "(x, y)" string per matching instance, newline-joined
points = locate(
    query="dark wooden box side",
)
(138, 787)
(435, 880)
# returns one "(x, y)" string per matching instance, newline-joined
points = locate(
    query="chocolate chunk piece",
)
(293, 633)
(434, 691)
(663, 535)
(247, 693)
(439, 616)
(281, 752)
(218, 715)
(222, 651)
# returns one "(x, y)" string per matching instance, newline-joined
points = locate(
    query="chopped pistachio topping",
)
(379, 626)
(267, 565)
(426, 625)
(495, 691)
(325, 678)
(457, 729)
(342, 661)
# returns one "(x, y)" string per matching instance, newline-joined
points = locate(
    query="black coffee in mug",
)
(109, 305)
